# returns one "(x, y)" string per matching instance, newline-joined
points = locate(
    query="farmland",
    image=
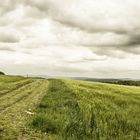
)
(58, 109)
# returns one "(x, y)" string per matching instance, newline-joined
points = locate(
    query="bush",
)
(2, 73)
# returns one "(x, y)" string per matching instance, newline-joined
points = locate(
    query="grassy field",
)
(58, 109)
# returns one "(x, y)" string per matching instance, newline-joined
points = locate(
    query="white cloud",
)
(98, 38)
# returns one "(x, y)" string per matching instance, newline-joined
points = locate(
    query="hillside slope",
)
(57, 109)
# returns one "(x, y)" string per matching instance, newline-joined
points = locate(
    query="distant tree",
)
(2, 73)
(129, 83)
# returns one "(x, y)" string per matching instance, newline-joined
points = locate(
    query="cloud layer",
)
(96, 38)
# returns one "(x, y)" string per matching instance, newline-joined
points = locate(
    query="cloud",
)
(8, 38)
(100, 16)
(6, 49)
(99, 23)
(6, 6)
(134, 39)
(70, 37)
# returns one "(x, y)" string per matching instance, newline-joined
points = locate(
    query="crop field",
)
(58, 109)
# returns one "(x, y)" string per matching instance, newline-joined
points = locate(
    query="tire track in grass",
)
(9, 97)
(18, 96)
(15, 92)
(5, 85)
(15, 87)
(13, 120)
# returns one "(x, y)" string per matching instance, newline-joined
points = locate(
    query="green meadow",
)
(58, 109)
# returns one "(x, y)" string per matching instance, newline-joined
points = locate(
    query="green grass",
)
(113, 111)
(68, 110)
(15, 104)
(59, 114)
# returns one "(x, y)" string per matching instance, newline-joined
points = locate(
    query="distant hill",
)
(2, 73)
(120, 81)
(102, 80)
(80, 78)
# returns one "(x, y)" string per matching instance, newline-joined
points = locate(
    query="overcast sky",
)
(93, 38)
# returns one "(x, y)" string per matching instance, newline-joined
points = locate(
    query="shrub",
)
(2, 73)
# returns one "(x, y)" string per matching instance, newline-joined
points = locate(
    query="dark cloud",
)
(134, 40)
(8, 38)
(90, 29)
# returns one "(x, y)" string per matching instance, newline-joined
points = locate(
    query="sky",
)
(82, 38)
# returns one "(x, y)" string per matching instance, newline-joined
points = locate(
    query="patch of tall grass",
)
(73, 110)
